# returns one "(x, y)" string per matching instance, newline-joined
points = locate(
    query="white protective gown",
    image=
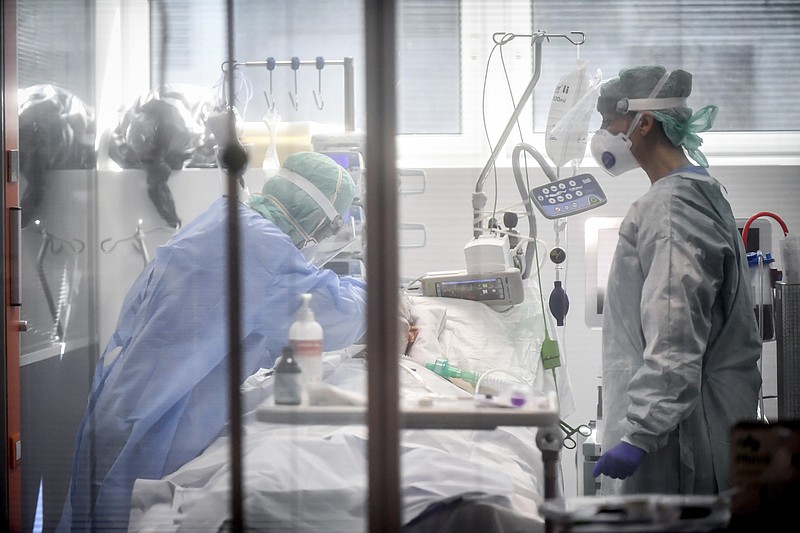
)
(680, 338)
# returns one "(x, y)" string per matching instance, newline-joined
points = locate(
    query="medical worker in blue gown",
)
(680, 339)
(159, 394)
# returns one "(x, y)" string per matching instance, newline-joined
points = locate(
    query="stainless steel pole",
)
(382, 269)
(787, 318)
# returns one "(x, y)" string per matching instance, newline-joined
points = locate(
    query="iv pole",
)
(479, 197)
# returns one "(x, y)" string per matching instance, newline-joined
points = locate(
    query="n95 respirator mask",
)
(613, 152)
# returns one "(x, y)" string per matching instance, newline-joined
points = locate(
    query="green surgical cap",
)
(639, 82)
(680, 125)
(283, 202)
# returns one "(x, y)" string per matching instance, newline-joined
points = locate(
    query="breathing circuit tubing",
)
(753, 218)
(497, 383)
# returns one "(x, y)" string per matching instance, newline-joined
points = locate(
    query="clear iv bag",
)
(567, 129)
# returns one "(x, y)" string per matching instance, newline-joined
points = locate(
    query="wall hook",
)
(270, 99)
(501, 38)
(320, 62)
(49, 240)
(579, 40)
(138, 241)
(293, 95)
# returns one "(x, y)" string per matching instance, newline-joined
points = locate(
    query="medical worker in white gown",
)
(159, 394)
(680, 339)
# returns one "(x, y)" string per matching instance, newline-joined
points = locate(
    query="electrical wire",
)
(483, 114)
(507, 38)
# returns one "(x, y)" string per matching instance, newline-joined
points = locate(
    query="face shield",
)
(330, 240)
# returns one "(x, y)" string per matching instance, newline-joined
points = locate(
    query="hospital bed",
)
(306, 473)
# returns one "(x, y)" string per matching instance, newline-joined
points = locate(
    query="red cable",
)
(759, 215)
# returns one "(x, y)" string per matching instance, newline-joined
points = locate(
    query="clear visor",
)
(326, 245)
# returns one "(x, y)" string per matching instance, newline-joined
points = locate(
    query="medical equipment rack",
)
(320, 63)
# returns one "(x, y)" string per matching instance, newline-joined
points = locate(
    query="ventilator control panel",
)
(568, 196)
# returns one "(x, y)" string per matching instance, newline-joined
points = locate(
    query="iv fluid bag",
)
(568, 122)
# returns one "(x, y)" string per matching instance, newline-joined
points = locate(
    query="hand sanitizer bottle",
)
(305, 337)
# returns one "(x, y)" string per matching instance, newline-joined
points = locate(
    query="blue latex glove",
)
(620, 461)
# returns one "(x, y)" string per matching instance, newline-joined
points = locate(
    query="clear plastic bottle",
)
(761, 277)
(305, 338)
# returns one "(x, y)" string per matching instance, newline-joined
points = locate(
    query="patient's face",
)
(407, 336)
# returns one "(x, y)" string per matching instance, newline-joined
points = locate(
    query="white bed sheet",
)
(314, 478)
(473, 336)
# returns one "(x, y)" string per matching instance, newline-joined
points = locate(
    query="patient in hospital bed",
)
(314, 478)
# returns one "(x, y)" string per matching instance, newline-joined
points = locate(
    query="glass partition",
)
(139, 140)
(181, 199)
(132, 117)
(57, 134)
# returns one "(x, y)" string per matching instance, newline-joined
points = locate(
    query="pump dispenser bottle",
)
(305, 337)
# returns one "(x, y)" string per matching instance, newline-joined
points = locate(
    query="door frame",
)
(11, 485)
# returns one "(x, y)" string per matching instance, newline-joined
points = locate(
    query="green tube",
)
(442, 367)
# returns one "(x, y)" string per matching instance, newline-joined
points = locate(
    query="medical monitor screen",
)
(348, 160)
(481, 290)
(342, 159)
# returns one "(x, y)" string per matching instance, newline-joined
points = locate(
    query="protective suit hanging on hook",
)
(56, 131)
(160, 133)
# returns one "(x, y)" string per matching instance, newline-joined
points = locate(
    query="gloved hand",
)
(620, 461)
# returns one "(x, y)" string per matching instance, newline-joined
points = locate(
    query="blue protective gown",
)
(680, 339)
(159, 394)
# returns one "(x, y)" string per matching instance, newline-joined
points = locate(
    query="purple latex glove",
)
(620, 461)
